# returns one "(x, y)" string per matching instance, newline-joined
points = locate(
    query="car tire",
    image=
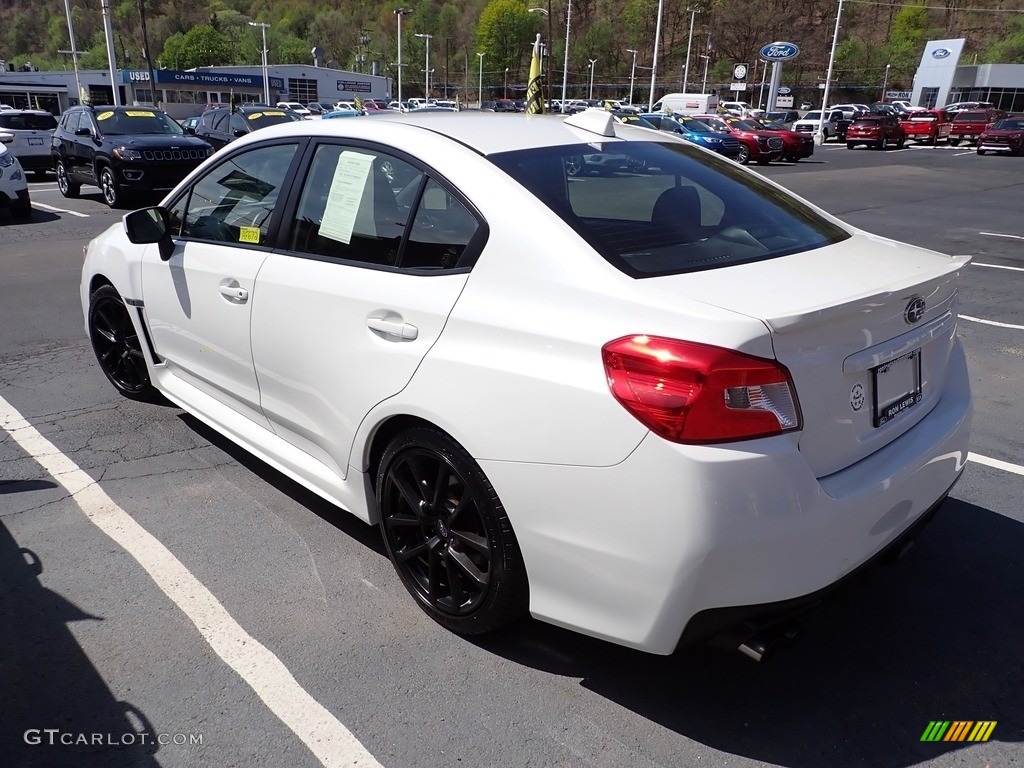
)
(67, 187)
(901, 142)
(21, 209)
(636, 165)
(447, 533)
(744, 155)
(109, 187)
(117, 346)
(574, 165)
(982, 151)
(883, 144)
(954, 142)
(851, 145)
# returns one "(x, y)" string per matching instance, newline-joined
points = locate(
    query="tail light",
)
(696, 393)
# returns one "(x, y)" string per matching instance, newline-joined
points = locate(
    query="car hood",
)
(159, 141)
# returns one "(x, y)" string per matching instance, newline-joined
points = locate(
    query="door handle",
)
(234, 292)
(397, 328)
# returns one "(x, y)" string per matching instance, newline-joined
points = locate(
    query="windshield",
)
(136, 122)
(696, 126)
(271, 117)
(973, 117)
(27, 121)
(812, 116)
(746, 125)
(667, 207)
(1009, 124)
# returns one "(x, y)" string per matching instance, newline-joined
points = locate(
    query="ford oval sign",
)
(779, 52)
(941, 53)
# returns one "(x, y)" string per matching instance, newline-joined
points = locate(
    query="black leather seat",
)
(676, 215)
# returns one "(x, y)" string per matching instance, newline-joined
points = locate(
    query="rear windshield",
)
(659, 208)
(973, 117)
(134, 122)
(271, 117)
(27, 122)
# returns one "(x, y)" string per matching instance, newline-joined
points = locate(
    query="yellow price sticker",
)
(255, 115)
(139, 113)
(274, 114)
(105, 116)
(249, 235)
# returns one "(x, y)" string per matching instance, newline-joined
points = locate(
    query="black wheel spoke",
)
(412, 552)
(409, 489)
(469, 568)
(454, 582)
(474, 541)
(440, 484)
(434, 569)
(403, 521)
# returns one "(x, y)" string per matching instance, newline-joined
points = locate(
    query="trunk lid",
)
(867, 358)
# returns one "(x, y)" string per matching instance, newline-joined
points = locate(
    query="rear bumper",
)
(636, 552)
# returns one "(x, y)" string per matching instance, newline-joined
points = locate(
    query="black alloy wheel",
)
(117, 346)
(67, 187)
(447, 534)
(574, 165)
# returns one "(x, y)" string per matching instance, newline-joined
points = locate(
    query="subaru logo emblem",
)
(941, 53)
(914, 311)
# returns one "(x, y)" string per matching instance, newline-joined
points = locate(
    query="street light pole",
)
(565, 65)
(654, 63)
(689, 44)
(820, 134)
(74, 50)
(592, 63)
(480, 85)
(704, 87)
(885, 83)
(426, 67)
(266, 80)
(632, 74)
(400, 12)
(504, 85)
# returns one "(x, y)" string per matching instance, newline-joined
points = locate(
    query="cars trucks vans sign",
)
(779, 52)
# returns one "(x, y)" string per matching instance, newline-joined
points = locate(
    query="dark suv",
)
(122, 150)
(223, 125)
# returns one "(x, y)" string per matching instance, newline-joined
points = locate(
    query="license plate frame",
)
(35, 142)
(897, 386)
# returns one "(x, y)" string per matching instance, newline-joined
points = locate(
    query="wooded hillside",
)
(356, 33)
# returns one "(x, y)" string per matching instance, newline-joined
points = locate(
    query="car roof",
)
(485, 132)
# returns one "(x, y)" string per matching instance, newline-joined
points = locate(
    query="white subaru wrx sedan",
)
(640, 405)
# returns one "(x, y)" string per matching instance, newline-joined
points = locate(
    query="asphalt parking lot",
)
(93, 644)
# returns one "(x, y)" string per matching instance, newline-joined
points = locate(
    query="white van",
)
(688, 103)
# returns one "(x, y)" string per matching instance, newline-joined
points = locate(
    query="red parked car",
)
(969, 124)
(928, 126)
(877, 131)
(1006, 135)
(755, 144)
(795, 145)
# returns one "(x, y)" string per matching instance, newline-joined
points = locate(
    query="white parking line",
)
(329, 741)
(999, 234)
(59, 210)
(997, 463)
(992, 322)
(998, 266)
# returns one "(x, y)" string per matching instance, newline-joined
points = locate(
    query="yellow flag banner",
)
(534, 92)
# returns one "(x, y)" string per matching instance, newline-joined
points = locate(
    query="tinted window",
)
(441, 230)
(236, 124)
(973, 117)
(233, 202)
(349, 208)
(1009, 125)
(136, 121)
(688, 211)
(27, 122)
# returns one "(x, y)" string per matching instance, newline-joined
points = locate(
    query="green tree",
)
(1008, 49)
(201, 46)
(504, 33)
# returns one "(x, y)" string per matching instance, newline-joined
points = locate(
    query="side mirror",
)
(150, 225)
(190, 131)
(239, 133)
(83, 132)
